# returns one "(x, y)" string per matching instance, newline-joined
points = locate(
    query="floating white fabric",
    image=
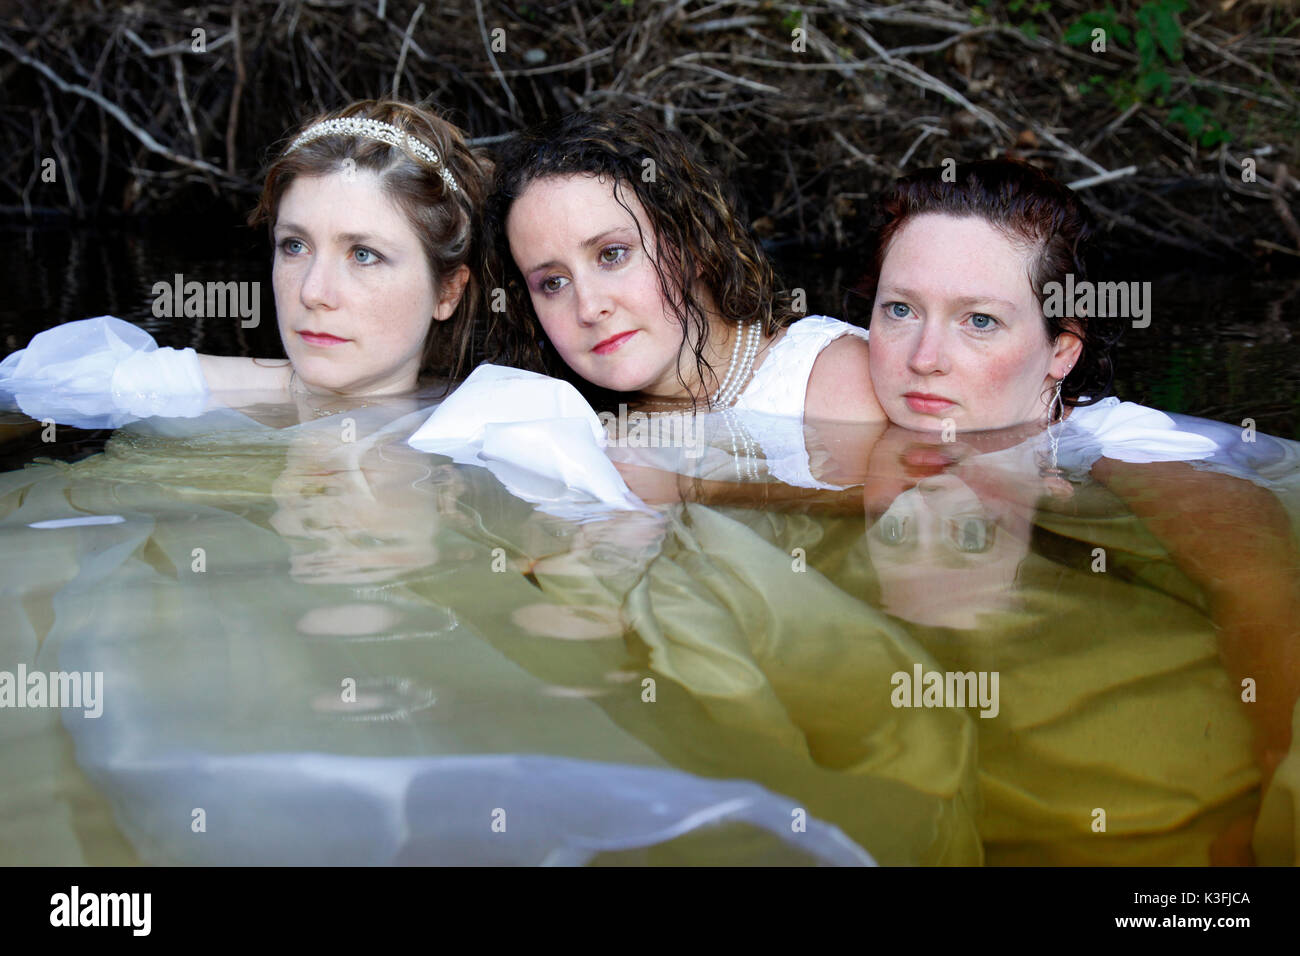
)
(102, 373)
(317, 809)
(1126, 431)
(536, 434)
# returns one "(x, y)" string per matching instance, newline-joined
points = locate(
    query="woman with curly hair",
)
(626, 268)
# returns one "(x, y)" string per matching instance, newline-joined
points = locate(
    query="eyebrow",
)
(352, 237)
(585, 244)
(960, 300)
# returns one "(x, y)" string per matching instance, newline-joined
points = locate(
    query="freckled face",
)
(957, 332)
(594, 287)
(354, 294)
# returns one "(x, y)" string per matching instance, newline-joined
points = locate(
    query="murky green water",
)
(323, 650)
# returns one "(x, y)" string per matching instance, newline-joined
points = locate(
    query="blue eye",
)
(897, 310)
(286, 244)
(983, 322)
(892, 529)
(372, 256)
(971, 535)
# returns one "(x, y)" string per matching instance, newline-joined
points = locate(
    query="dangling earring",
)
(1058, 486)
(1056, 407)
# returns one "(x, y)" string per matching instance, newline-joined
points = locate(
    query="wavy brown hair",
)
(1031, 208)
(698, 231)
(445, 220)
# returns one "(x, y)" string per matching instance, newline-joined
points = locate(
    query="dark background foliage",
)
(811, 108)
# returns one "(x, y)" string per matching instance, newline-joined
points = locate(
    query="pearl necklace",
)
(738, 376)
(743, 447)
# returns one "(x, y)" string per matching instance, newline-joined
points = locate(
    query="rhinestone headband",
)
(374, 129)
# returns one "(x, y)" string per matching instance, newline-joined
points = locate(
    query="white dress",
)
(771, 408)
(1127, 431)
(780, 385)
(764, 430)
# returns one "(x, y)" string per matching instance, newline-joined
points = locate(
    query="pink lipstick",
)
(321, 339)
(613, 342)
(925, 404)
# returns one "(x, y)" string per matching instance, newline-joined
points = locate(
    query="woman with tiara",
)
(372, 210)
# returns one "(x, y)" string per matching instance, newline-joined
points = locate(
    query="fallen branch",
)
(112, 109)
(1100, 178)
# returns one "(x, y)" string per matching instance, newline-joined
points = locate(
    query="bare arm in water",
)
(236, 373)
(1233, 539)
(845, 446)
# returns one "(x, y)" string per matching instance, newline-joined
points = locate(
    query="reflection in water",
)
(343, 649)
(948, 525)
(943, 556)
(373, 622)
(1121, 651)
(384, 698)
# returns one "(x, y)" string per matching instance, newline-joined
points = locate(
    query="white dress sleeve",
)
(772, 406)
(780, 384)
(537, 434)
(102, 373)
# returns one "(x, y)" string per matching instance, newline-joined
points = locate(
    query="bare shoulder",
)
(839, 388)
(236, 373)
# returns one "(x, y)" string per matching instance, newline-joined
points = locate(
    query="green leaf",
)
(1160, 18)
(1215, 136)
(1200, 124)
(1146, 47)
(1188, 117)
(1154, 80)
(1078, 34)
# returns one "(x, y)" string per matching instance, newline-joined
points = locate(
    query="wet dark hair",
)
(445, 220)
(1031, 208)
(693, 212)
